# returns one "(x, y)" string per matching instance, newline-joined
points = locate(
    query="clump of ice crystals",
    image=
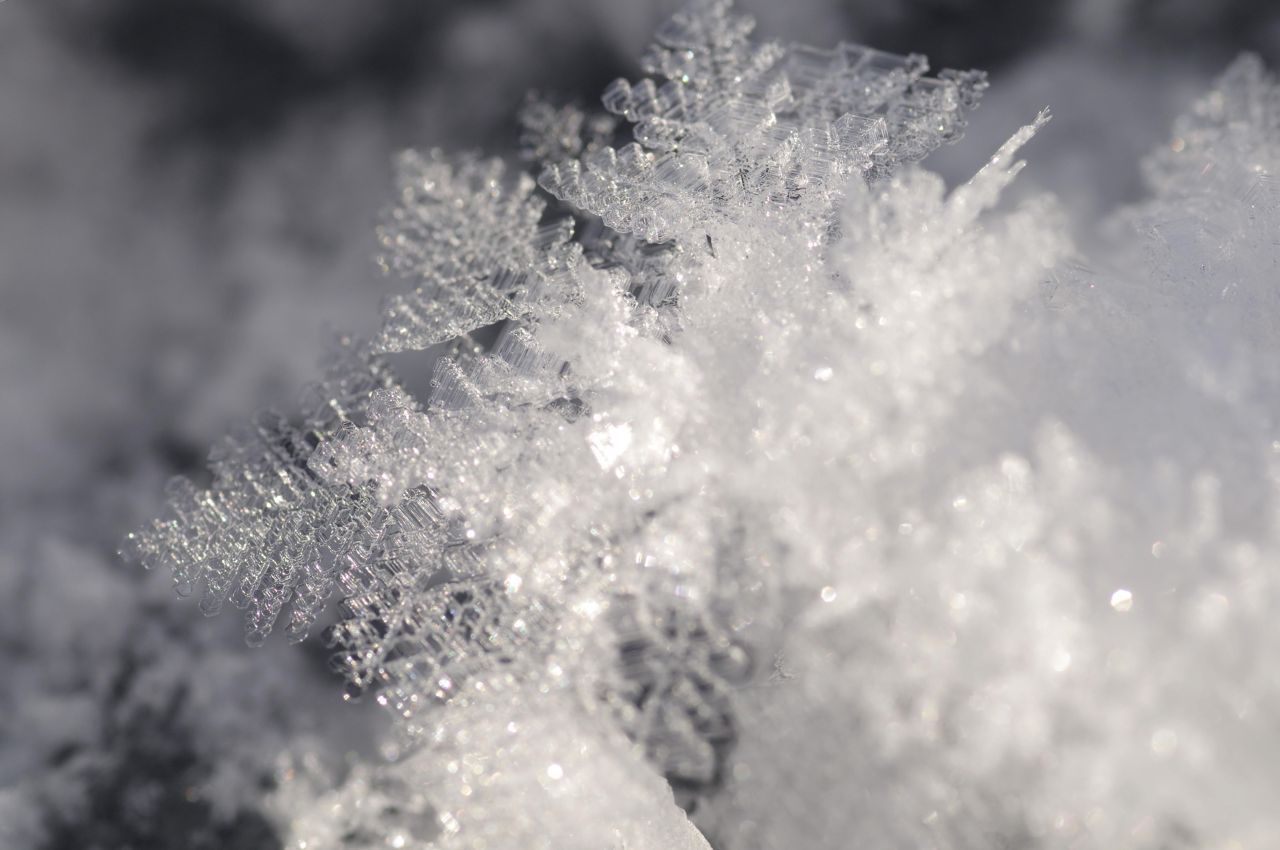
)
(734, 129)
(852, 510)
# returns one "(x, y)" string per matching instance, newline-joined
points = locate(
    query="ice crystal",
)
(736, 128)
(475, 243)
(758, 489)
(265, 534)
(507, 744)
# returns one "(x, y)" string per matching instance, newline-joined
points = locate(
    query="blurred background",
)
(187, 199)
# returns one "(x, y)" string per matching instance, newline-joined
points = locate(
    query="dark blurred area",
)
(234, 72)
(188, 190)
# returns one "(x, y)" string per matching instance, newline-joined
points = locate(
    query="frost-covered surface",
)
(860, 511)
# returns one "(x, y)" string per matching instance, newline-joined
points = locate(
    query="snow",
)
(872, 506)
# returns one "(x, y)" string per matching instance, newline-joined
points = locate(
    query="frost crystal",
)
(266, 534)
(759, 489)
(476, 244)
(738, 128)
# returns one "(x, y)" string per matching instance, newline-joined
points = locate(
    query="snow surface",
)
(1033, 609)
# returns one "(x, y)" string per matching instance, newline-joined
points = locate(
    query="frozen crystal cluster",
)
(794, 500)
